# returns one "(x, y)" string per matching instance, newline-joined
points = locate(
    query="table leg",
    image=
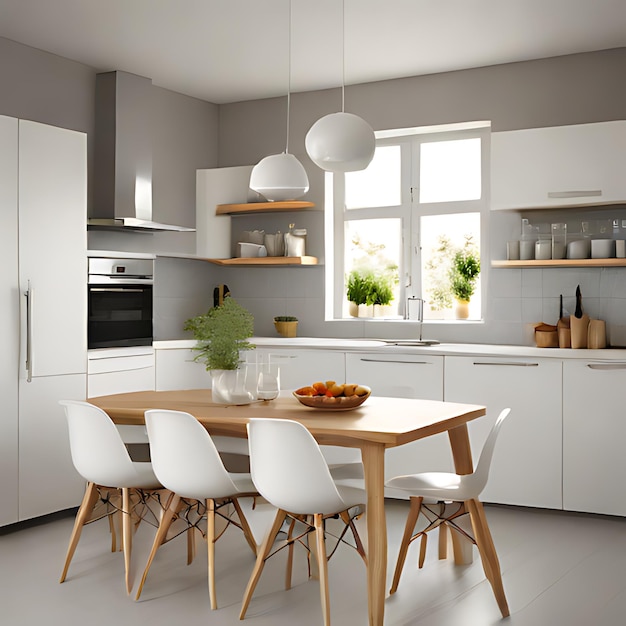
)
(373, 457)
(461, 449)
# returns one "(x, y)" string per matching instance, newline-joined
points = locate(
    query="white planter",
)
(366, 310)
(232, 386)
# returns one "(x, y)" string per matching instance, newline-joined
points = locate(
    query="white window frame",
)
(409, 212)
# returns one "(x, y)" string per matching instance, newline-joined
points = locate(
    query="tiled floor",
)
(558, 569)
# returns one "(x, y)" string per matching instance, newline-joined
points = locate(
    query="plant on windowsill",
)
(463, 275)
(286, 325)
(367, 289)
(222, 334)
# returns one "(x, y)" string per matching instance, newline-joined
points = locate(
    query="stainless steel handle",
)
(618, 365)
(115, 290)
(29, 344)
(506, 363)
(575, 194)
(390, 361)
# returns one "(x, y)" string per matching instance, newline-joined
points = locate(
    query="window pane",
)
(442, 237)
(378, 184)
(450, 170)
(372, 259)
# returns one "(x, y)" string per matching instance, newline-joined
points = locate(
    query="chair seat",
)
(352, 496)
(145, 477)
(244, 483)
(442, 485)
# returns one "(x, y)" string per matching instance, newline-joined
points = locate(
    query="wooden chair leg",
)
(443, 542)
(262, 554)
(210, 540)
(488, 554)
(290, 550)
(86, 507)
(245, 527)
(348, 521)
(414, 511)
(127, 535)
(318, 522)
(159, 538)
(191, 545)
(422, 556)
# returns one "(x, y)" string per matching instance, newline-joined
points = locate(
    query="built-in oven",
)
(119, 302)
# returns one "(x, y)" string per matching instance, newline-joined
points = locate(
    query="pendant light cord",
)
(343, 55)
(288, 79)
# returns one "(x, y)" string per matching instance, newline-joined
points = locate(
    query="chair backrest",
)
(98, 452)
(288, 468)
(184, 457)
(481, 473)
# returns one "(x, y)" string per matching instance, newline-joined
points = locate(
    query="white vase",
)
(232, 386)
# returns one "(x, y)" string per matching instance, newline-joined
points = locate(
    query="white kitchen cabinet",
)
(9, 322)
(594, 431)
(527, 463)
(303, 367)
(578, 165)
(176, 369)
(109, 372)
(43, 249)
(405, 376)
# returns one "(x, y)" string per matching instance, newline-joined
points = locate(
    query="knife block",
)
(578, 330)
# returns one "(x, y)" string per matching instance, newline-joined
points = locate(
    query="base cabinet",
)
(594, 431)
(176, 369)
(405, 376)
(527, 464)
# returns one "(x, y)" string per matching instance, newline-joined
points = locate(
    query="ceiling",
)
(233, 50)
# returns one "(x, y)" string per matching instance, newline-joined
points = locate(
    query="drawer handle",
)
(389, 361)
(506, 363)
(575, 194)
(607, 366)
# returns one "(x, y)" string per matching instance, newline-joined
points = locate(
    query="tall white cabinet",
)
(43, 312)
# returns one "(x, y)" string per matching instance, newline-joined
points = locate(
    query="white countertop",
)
(444, 349)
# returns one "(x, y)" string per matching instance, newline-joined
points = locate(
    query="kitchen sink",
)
(411, 342)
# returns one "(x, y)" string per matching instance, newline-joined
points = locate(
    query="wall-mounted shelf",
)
(562, 263)
(274, 261)
(263, 207)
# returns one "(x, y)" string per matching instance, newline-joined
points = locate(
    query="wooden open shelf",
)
(263, 207)
(267, 261)
(562, 263)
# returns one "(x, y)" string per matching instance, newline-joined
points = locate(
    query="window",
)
(409, 226)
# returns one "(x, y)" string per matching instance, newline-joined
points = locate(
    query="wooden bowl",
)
(338, 403)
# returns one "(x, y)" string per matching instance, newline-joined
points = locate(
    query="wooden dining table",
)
(376, 425)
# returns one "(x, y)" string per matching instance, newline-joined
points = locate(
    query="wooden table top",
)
(390, 421)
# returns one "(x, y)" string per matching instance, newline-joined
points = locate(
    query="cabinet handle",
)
(575, 194)
(29, 349)
(506, 363)
(607, 366)
(389, 361)
(115, 290)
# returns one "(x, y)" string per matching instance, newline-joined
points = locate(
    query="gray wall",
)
(549, 92)
(190, 134)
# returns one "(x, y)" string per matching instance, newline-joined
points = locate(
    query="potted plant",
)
(463, 275)
(286, 325)
(368, 289)
(222, 333)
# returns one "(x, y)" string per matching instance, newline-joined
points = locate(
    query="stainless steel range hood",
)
(123, 155)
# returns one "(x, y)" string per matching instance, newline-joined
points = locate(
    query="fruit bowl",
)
(333, 403)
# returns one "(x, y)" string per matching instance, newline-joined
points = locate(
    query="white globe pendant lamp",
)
(341, 142)
(280, 177)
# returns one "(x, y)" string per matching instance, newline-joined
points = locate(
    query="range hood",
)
(123, 155)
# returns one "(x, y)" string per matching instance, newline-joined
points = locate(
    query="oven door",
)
(119, 315)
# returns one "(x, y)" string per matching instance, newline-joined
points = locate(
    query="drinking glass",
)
(269, 382)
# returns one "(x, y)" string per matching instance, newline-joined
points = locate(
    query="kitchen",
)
(191, 134)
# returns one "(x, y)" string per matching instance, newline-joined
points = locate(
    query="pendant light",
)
(281, 176)
(341, 142)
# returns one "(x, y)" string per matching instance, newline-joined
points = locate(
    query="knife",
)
(579, 305)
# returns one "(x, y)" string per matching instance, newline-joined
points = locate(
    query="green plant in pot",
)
(463, 275)
(369, 288)
(286, 325)
(222, 334)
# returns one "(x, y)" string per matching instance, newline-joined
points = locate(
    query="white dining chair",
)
(187, 462)
(445, 487)
(291, 473)
(101, 458)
